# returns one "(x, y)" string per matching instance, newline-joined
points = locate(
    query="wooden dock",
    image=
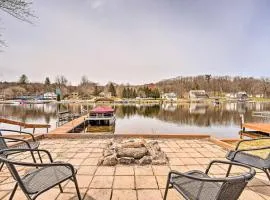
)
(68, 126)
(257, 127)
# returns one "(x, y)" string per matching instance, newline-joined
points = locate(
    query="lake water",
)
(222, 121)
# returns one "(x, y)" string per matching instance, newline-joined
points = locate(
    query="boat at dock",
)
(101, 115)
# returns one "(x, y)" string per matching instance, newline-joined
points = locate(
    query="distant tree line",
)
(214, 86)
(129, 93)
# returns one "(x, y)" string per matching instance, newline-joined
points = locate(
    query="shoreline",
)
(135, 101)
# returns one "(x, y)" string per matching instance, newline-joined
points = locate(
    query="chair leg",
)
(61, 189)
(267, 173)
(40, 157)
(77, 187)
(13, 191)
(33, 156)
(229, 170)
(167, 187)
(2, 165)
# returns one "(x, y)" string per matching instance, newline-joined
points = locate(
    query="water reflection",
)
(192, 115)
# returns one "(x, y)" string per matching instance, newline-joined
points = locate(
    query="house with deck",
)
(169, 96)
(49, 96)
(198, 95)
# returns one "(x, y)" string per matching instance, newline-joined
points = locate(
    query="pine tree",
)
(47, 81)
(124, 93)
(23, 79)
(112, 90)
(96, 91)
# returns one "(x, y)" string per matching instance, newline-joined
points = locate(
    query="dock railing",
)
(25, 125)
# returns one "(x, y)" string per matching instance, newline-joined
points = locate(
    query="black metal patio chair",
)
(245, 156)
(20, 143)
(197, 185)
(43, 177)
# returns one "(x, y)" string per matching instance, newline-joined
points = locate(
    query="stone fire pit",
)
(133, 151)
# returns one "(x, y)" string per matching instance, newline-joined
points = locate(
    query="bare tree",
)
(61, 81)
(84, 80)
(20, 9)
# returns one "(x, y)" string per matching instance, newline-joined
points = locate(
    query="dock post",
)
(242, 122)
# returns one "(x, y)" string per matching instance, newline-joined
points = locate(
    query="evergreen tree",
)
(112, 90)
(47, 81)
(96, 91)
(23, 79)
(124, 93)
(128, 92)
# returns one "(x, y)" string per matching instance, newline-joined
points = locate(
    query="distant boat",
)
(100, 116)
(216, 102)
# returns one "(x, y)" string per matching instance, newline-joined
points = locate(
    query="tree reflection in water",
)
(197, 115)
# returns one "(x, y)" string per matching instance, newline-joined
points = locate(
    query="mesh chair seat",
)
(43, 178)
(195, 189)
(249, 159)
(33, 145)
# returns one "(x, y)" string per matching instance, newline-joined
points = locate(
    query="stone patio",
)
(123, 182)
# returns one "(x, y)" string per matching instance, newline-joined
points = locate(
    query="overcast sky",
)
(137, 41)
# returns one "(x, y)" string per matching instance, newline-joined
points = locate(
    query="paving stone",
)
(203, 161)
(71, 194)
(249, 194)
(124, 170)
(183, 154)
(98, 194)
(124, 182)
(87, 170)
(83, 181)
(4, 194)
(161, 170)
(146, 182)
(103, 171)
(124, 195)
(90, 161)
(189, 161)
(172, 194)
(179, 168)
(143, 170)
(102, 182)
(162, 181)
(76, 161)
(176, 161)
(149, 194)
(51, 194)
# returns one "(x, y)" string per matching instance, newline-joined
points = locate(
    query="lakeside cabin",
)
(49, 96)
(238, 96)
(169, 96)
(198, 95)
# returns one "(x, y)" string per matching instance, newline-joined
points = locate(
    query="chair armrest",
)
(21, 132)
(27, 164)
(29, 150)
(16, 140)
(249, 140)
(203, 179)
(251, 149)
(228, 163)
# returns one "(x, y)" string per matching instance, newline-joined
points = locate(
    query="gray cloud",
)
(139, 41)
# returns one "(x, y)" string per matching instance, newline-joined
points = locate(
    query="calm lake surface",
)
(222, 121)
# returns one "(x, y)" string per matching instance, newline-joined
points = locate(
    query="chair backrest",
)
(234, 186)
(3, 144)
(231, 190)
(12, 169)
